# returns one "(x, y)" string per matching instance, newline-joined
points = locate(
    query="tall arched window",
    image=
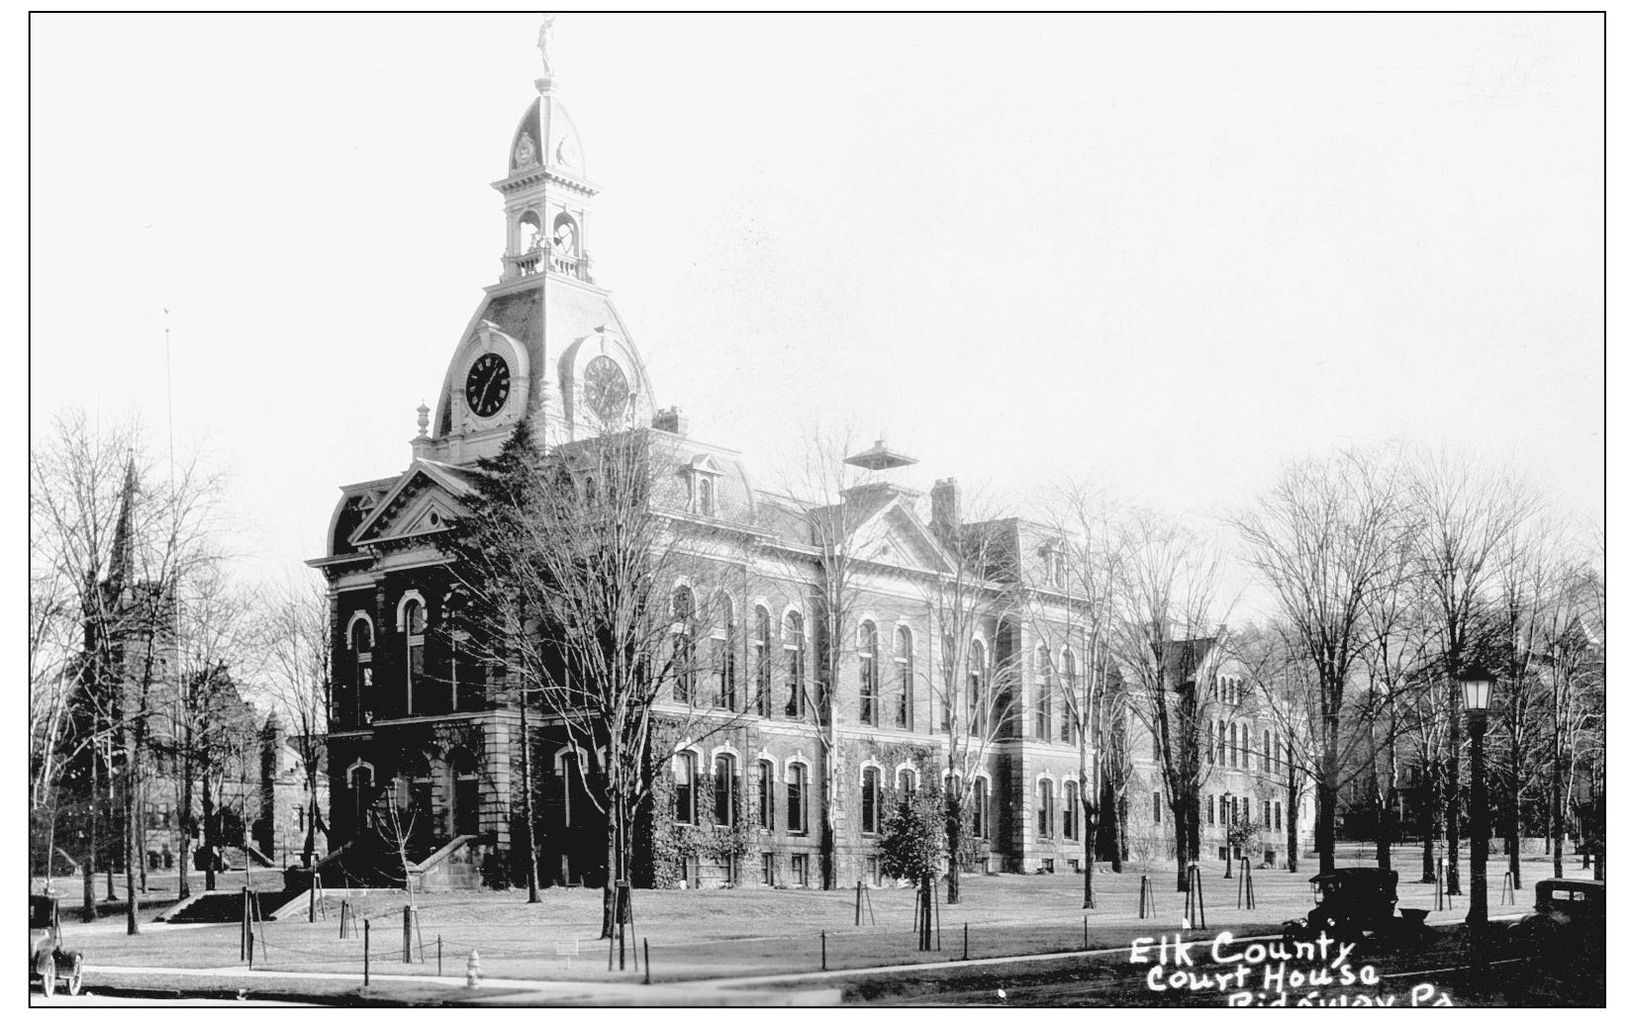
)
(797, 798)
(1071, 690)
(413, 629)
(684, 788)
(1042, 695)
(907, 784)
(723, 790)
(465, 794)
(869, 705)
(765, 794)
(975, 688)
(905, 673)
(1071, 811)
(361, 636)
(795, 688)
(762, 662)
(723, 655)
(1044, 810)
(361, 786)
(870, 801)
(683, 624)
(980, 807)
(1232, 744)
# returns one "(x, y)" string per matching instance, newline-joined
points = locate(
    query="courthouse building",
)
(417, 721)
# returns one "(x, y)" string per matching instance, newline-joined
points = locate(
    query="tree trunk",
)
(1122, 848)
(1179, 818)
(952, 838)
(1452, 796)
(1292, 842)
(131, 853)
(208, 835)
(184, 823)
(1089, 834)
(1382, 831)
(525, 805)
(1328, 772)
(828, 837)
(607, 923)
(1512, 826)
(1557, 817)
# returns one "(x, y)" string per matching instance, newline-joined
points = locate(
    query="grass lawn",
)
(747, 932)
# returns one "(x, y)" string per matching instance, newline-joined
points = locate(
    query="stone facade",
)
(416, 719)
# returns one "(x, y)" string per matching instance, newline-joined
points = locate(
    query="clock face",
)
(488, 385)
(605, 387)
(525, 152)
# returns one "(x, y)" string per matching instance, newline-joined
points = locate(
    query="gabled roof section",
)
(421, 502)
(881, 529)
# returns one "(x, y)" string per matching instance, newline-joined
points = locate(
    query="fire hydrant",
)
(472, 970)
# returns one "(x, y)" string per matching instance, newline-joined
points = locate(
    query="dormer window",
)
(1054, 564)
(703, 474)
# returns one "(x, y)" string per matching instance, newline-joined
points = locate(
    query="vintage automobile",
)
(47, 961)
(1353, 902)
(1563, 940)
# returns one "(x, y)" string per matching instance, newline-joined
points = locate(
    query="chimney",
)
(670, 420)
(946, 507)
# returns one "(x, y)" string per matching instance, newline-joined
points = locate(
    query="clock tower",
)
(546, 343)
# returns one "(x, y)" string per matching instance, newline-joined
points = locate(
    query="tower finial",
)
(545, 32)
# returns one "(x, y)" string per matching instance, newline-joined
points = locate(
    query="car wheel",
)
(48, 976)
(76, 975)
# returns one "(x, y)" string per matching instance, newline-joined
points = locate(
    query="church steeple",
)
(546, 195)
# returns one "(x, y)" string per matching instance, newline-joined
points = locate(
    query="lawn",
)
(747, 932)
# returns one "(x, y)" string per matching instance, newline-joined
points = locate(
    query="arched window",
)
(1043, 692)
(465, 793)
(1044, 811)
(723, 655)
(980, 807)
(683, 630)
(1248, 743)
(361, 638)
(412, 626)
(869, 705)
(1232, 743)
(704, 501)
(1071, 690)
(1209, 809)
(1071, 811)
(975, 688)
(870, 791)
(762, 675)
(723, 790)
(907, 785)
(765, 794)
(904, 671)
(1158, 811)
(794, 664)
(684, 788)
(797, 798)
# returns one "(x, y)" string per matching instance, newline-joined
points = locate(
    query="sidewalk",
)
(452, 989)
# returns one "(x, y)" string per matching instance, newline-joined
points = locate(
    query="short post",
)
(647, 961)
(1085, 932)
(406, 934)
(367, 948)
(964, 941)
(344, 915)
(251, 949)
(822, 950)
(859, 887)
(438, 955)
(243, 929)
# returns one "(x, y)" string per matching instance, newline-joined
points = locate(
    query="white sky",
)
(1162, 252)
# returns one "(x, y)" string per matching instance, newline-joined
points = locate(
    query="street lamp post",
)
(1476, 682)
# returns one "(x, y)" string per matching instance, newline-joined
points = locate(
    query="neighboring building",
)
(418, 722)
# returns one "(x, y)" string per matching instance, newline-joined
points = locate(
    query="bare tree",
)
(1325, 539)
(573, 563)
(1165, 643)
(969, 687)
(299, 678)
(1465, 515)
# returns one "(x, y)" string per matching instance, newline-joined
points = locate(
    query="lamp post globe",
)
(1475, 681)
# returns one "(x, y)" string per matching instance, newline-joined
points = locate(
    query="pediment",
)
(896, 537)
(422, 502)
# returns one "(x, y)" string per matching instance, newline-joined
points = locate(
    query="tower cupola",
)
(546, 194)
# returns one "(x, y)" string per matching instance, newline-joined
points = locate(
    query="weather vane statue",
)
(544, 34)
